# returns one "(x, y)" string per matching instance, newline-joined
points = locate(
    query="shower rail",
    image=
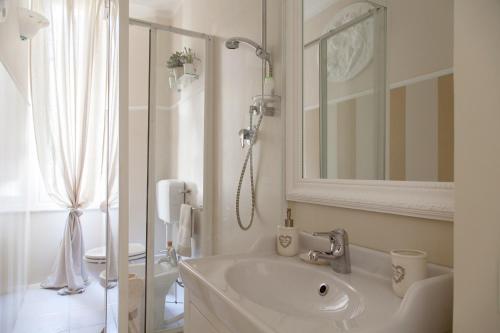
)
(169, 28)
(342, 27)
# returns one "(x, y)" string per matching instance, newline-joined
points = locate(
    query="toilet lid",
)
(135, 251)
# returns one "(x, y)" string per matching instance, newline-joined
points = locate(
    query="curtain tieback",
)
(76, 212)
(104, 206)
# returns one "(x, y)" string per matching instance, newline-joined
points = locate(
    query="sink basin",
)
(298, 288)
(261, 292)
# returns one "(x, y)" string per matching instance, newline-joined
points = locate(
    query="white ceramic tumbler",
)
(408, 267)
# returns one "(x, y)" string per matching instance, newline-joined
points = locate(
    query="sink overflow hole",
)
(323, 289)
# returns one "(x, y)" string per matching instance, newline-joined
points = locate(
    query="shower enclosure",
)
(14, 200)
(169, 139)
(67, 76)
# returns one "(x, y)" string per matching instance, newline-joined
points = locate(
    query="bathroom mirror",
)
(351, 128)
(370, 99)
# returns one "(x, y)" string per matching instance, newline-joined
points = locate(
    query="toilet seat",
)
(97, 255)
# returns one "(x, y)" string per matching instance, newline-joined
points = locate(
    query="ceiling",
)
(168, 7)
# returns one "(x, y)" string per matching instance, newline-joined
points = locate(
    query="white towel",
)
(184, 232)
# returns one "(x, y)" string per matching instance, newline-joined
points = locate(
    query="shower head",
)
(234, 43)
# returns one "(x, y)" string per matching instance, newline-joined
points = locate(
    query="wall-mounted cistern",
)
(338, 256)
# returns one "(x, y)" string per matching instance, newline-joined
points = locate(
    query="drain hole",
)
(323, 289)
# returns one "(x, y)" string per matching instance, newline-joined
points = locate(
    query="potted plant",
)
(175, 63)
(188, 58)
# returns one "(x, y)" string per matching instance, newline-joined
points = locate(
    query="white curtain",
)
(68, 65)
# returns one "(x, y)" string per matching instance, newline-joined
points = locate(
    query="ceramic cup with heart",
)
(408, 267)
(287, 241)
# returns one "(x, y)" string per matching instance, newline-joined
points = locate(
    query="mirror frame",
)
(429, 200)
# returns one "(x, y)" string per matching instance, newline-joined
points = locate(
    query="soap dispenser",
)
(288, 237)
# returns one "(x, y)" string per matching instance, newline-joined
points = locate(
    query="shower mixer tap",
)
(246, 135)
(254, 110)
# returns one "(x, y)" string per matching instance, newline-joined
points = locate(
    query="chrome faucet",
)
(338, 256)
(167, 259)
(170, 255)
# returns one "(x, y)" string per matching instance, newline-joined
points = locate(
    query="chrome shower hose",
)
(248, 158)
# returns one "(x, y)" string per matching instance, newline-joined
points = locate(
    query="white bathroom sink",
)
(296, 287)
(262, 292)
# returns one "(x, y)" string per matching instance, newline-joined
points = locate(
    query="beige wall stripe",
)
(445, 128)
(397, 133)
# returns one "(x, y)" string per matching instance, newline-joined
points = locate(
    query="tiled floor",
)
(44, 311)
(173, 308)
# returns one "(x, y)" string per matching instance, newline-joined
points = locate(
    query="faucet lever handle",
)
(337, 236)
(338, 231)
(329, 234)
(322, 233)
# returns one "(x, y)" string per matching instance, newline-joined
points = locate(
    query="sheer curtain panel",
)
(68, 70)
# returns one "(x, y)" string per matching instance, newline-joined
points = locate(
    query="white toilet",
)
(95, 259)
(170, 196)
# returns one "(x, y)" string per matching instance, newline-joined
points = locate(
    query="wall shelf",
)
(182, 81)
(271, 104)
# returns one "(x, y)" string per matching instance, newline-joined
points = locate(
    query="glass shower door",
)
(176, 127)
(111, 204)
(14, 201)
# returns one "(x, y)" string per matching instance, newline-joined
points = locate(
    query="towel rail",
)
(194, 209)
(187, 191)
